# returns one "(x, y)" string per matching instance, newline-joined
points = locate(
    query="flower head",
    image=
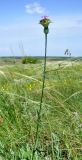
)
(45, 21)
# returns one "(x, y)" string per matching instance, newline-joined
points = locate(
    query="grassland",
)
(60, 133)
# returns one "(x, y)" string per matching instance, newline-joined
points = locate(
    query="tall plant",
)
(45, 21)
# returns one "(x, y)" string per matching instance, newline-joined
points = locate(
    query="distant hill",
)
(52, 58)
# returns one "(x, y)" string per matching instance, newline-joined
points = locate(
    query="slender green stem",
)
(41, 101)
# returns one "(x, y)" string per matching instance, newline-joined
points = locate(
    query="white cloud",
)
(34, 8)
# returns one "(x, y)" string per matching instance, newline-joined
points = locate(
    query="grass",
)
(60, 134)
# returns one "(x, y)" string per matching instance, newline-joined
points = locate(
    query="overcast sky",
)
(21, 33)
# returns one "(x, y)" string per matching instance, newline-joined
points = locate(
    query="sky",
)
(22, 35)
